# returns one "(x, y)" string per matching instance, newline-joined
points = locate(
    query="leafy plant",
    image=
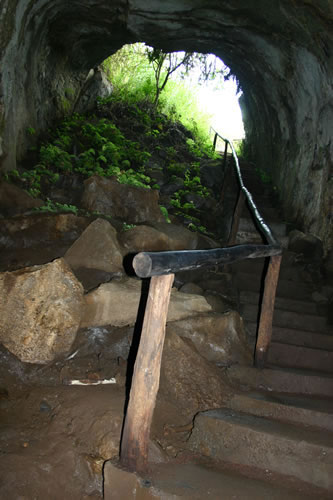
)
(165, 213)
(126, 226)
(54, 207)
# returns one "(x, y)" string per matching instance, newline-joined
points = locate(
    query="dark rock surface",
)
(128, 203)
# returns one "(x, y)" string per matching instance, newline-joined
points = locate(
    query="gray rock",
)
(40, 311)
(96, 86)
(97, 248)
(14, 200)
(117, 303)
(39, 229)
(219, 338)
(144, 239)
(309, 245)
(219, 304)
(185, 376)
(191, 288)
(128, 203)
(179, 237)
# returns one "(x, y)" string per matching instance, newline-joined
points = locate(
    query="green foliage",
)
(242, 150)
(88, 146)
(264, 176)
(165, 213)
(55, 207)
(126, 226)
(134, 80)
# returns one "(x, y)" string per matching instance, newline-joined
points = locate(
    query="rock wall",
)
(280, 51)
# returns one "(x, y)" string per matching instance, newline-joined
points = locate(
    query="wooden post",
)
(214, 142)
(225, 172)
(146, 376)
(236, 218)
(225, 155)
(267, 311)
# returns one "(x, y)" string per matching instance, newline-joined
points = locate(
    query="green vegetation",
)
(126, 226)
(86, 146)
(51, 206)
(140, 73)
(130, 136)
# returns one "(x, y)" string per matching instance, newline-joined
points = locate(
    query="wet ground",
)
(56, 439)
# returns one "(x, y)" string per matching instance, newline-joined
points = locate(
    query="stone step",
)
(247, 224)
(290, 319)
(249, 440)
(288, 271)
(294, 356)
(296, 337)
(285, 288)
(304, 411)
(299, 306)
(195, 481)
(244, 237)
(287, 381)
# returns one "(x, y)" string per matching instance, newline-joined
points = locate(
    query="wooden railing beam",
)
(146, 377)
(236, 219)
(267, 311)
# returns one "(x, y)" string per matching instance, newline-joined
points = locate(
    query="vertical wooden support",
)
(225, 155)
(214, 142)
(225, 172)
(146, 376)
(267, 311)
(236, 218)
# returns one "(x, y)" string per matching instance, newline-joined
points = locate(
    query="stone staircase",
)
(281, 417)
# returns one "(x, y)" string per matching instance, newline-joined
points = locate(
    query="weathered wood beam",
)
(225, 154)
(236, 219)
(267, 311)
(148, 264)
(146, 377)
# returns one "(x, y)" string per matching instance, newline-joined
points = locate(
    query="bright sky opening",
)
(224, 107)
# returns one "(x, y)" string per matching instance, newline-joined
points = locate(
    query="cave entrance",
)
(198, 88)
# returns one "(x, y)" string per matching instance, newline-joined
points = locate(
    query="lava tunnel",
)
(280, 51)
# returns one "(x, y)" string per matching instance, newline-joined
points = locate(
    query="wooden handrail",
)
(262, 226)
(160, 267)
(147, 264)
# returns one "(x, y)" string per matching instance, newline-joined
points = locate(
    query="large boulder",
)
(179, 237)
(158, 236)
(144, 239)
(219, 338)
(188, 379)
(117, 303)
(14, 200)
(97, 85)
(128, 203)
(40, 311)
(96, 248)
(309, 245)
(39, 229)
